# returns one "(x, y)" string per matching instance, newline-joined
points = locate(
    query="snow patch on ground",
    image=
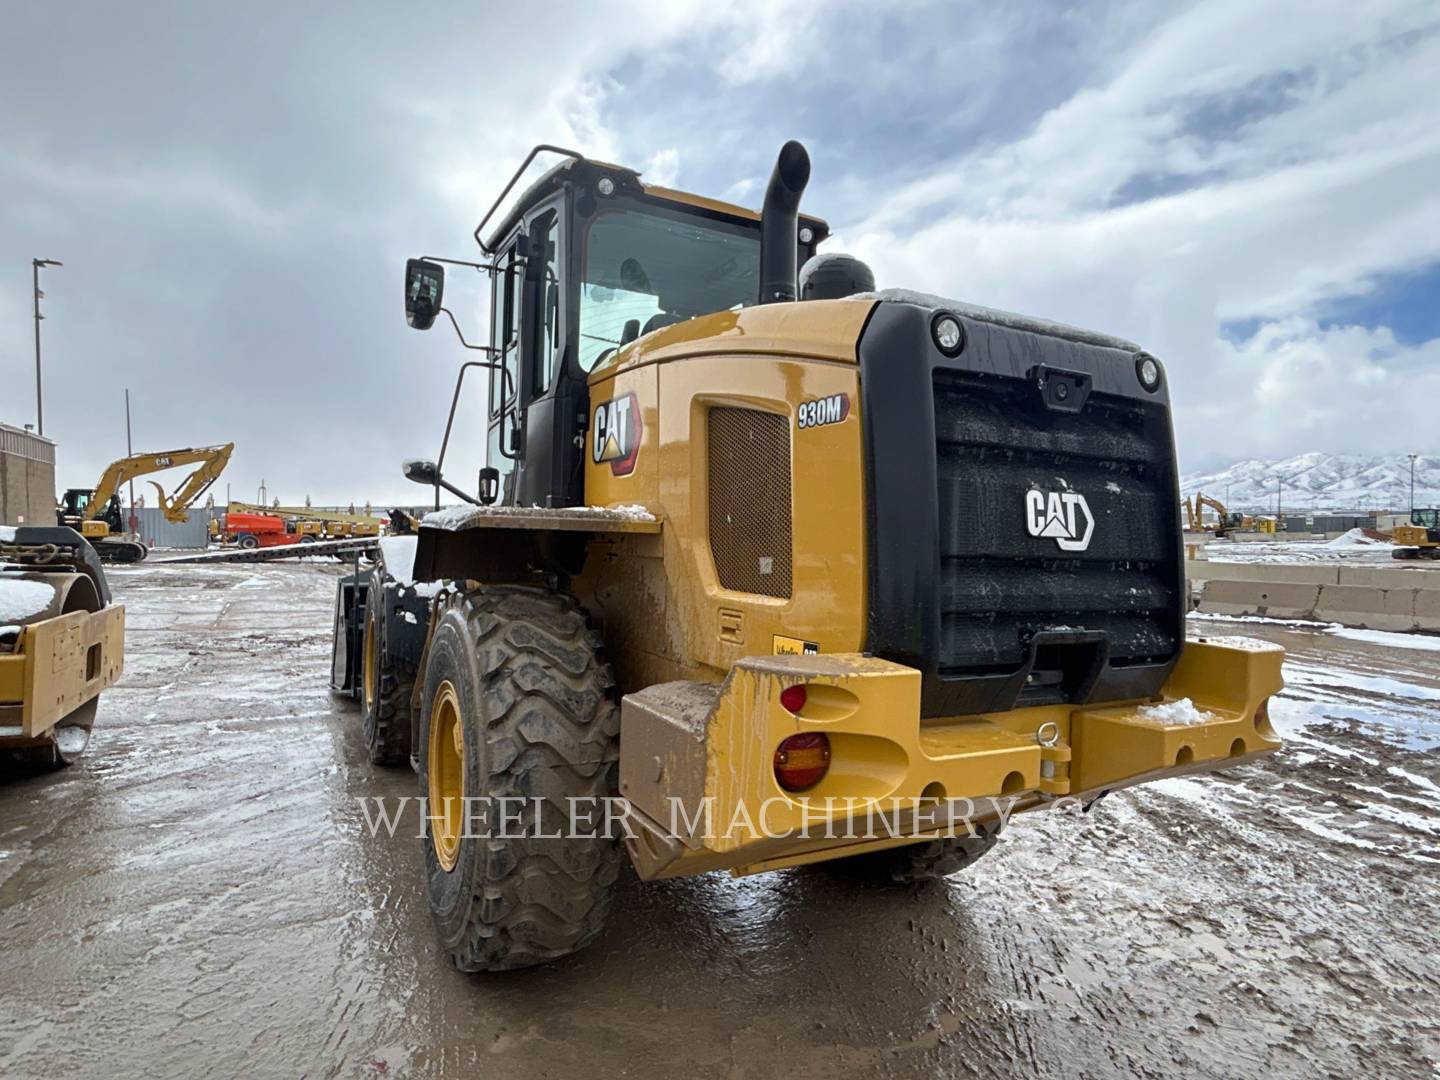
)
(454, 517)
(1182, 711)
(1296, 551)
(21, 599)
(1390, 639)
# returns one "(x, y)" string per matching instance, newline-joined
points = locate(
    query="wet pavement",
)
(199, 896)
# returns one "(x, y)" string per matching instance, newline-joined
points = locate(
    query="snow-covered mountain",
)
(1322, 482)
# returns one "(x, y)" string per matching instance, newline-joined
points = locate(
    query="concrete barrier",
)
(1361, 605)
(1398, 576)
(1281, 600)
(1413, 604)
(1289, 573)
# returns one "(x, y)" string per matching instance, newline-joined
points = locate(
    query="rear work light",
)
(801, 761)
(793, 698)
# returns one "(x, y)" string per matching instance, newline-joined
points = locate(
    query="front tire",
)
(518, 705)
(386, 685)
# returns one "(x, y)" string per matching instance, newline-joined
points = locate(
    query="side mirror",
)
(424, 292)
(489, 485)
(422, 472)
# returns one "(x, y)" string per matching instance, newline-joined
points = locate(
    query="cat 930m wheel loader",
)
(785, 569)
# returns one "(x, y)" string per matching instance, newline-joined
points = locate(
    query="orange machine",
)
(257, 530)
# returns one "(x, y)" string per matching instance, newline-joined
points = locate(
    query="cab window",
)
(646, 268)
(504, 331)
(545, 233)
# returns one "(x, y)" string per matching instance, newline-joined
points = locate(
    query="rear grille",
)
(750, 500)
(999, 586)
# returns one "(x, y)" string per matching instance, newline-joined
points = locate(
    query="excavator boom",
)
(211, 459)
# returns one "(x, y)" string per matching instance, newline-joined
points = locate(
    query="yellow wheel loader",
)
(768, 568)
(61, 641)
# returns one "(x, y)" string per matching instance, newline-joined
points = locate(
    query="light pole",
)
(1412, 482)
(35, 265)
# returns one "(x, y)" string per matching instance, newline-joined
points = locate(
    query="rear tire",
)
(248, 542)
(523, 708)
(929, 860)
(386, 686)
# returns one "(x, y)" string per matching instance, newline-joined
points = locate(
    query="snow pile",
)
(1353, 538)
(1174, 712)
(21, 599)
(7, 532)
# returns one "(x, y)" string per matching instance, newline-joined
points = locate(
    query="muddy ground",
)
(198, 897)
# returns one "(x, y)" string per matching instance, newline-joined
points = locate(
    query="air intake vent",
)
(750, 500)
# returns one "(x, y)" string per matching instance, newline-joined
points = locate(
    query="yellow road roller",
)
(62, 641)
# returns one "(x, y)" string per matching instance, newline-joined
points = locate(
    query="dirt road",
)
(199, 897)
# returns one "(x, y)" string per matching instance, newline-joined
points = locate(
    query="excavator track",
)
(114, 550)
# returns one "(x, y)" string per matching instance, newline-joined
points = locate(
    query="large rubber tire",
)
(537, 710)
(386, 686)
(926, 861)
(247, 541)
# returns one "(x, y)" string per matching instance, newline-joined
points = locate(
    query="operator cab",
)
(75, 507)
(586, 261)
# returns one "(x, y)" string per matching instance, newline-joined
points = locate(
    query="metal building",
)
(27, 478)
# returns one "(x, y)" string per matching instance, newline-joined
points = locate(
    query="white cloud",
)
(663, 168)
(1305, 195)
(195, 193)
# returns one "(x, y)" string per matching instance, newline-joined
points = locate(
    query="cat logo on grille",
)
(1058, 515)
(615, 434)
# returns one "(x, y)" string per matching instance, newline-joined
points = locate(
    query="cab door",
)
(502, 442)
(554, 397)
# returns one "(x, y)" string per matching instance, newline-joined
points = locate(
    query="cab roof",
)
(583, 171)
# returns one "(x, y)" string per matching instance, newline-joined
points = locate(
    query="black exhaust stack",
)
(779, 223)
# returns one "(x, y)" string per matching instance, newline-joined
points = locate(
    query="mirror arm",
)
(439, 483)
(450, 420)
(460, 334)
(488, 268)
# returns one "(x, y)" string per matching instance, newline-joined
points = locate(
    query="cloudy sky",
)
(1252, 190)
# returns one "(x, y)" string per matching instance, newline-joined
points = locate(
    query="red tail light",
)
(793, 698)
(801, 761)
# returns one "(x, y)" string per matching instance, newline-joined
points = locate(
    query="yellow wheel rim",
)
(370, 660)
(446, 769)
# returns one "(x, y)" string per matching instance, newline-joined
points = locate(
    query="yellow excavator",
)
(95, 512)
(1226, 521)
